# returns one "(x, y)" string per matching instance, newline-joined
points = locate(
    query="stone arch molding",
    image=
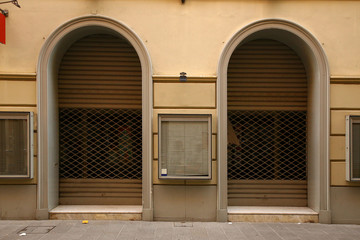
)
(48, 63)
(316, 64)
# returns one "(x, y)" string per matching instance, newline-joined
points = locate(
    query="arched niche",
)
(49, 59)
(315, 61)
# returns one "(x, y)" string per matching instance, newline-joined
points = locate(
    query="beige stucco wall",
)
(196, 96)
(18, 93)
(17, 201)
(187, 37)
(345, 195)
(344, 101)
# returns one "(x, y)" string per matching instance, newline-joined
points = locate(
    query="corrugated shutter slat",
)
(100, 101)
(271, 73)
(268, 165)
(100, 71)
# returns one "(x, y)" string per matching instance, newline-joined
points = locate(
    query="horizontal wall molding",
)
(18, 181)
(181, 107)
(156, 133)
(17, 76)
(192, 79)
(345, 80)
(17, 105)
(337, 135)
(344, 186)
(345, 108)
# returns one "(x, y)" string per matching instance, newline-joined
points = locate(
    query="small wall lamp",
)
(6, 12)
(15, 2)
(183, 77)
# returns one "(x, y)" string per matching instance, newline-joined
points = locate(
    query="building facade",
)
(277, 79)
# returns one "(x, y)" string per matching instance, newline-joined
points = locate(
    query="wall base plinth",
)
(272, 214)
(97, 212)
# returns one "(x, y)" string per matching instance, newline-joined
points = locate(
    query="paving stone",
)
(199, 233)
(62, 228)
(232, 232)
(145, 230)
(114, 228)
(141, 230)
(164, 232)
(249, 231)
(91, 235)
(181, 233)
(214, 231)
(5, 230)
(128, 231)
(51, 236)
(267, 232)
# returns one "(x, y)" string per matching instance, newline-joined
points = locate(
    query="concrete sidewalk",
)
(111, 230)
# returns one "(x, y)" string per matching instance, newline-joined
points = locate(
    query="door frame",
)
(49, 59)
(314, 58)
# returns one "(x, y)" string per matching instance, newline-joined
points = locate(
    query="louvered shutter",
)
(266, 75)
(267, 102)
(100, 71)
(100, 121)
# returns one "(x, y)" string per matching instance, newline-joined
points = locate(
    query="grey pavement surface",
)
(109, 230)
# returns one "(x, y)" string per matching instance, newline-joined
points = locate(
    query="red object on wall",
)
(2, 28)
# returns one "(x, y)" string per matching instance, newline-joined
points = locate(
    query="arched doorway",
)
(314, 60)
(267, 119)
(100, 123)
(48, 68)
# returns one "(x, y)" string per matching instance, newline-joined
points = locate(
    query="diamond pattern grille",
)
(272, 145)
(100, 143)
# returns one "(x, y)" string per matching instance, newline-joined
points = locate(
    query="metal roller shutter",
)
(267, 102)
(100, 71)
(100, 122)
(266, 75)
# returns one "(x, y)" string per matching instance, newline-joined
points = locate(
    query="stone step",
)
(97, 212)
(272, 214)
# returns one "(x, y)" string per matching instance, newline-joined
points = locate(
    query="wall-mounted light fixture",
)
(15, 2)
(4, 12)
(183, 77)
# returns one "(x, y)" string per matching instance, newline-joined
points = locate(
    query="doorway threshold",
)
(272, 214)
(97, 212)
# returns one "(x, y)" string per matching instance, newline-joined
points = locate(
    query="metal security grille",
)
(100, 143)
(267, 112)
(272, 145)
